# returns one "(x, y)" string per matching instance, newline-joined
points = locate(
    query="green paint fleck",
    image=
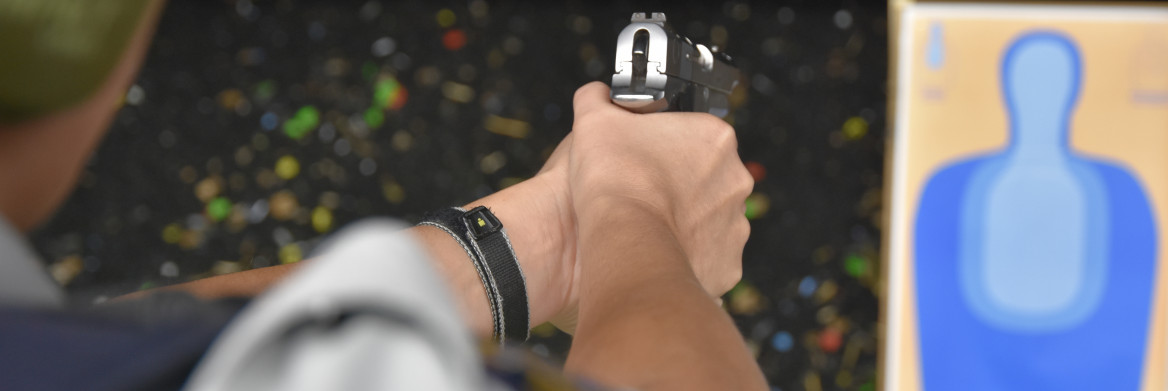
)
(305, 120)
(385, 92)
(219, 208)
(741, 286)
(374, 117)
(855, 265)
(265, 90)
(146, 285)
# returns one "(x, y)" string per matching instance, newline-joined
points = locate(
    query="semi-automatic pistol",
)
(657, 69)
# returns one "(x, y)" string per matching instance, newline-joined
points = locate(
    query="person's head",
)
(64, 67)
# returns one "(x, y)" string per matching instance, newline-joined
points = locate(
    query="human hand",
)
(683, 167)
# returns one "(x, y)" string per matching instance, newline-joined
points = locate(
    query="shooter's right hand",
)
(683, 167)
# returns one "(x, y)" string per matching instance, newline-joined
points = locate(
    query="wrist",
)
(606, 208)
(627, 245)
(535, 221)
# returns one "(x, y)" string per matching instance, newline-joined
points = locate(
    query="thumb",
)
(591, 97)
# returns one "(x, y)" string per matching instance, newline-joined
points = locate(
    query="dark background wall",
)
(195, 178)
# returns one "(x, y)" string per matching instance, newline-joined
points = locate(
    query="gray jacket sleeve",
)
(369, 313)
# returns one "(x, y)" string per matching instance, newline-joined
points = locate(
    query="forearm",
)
(535, 225)
(653, 326)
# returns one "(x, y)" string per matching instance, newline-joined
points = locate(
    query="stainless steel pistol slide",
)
(657, 69)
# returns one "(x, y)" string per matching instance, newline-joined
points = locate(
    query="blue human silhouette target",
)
(1034, 264)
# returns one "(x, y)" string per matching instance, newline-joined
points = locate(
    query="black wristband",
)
(481, 235)
(495, 248)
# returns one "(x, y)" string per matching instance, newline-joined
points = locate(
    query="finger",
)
(745, 182)
(591, 97)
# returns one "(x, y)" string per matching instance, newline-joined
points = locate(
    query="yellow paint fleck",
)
(458, 92)
(66, 269)
(172, 233)
(290, 253)
(322, 219)
(745, 299)
(509, 127)
(393, 192)
(843, 379)
(445, 18)
(855, 128)
(287, 167)
(811, 382)
(226, 267)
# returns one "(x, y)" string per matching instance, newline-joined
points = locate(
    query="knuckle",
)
(726, 131)
(703, 121)
(747, 189)
(725, 138)
(710, 121)
(586, 89)
(732, 277)
(580, 93)
(745, 181)
(743, 229)
(725, 128)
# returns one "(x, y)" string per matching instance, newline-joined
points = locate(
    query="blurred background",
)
(256, 128)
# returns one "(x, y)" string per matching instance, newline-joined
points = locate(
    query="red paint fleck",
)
(757, 171)
(454, 39)
(399, 99)
(830, 340)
